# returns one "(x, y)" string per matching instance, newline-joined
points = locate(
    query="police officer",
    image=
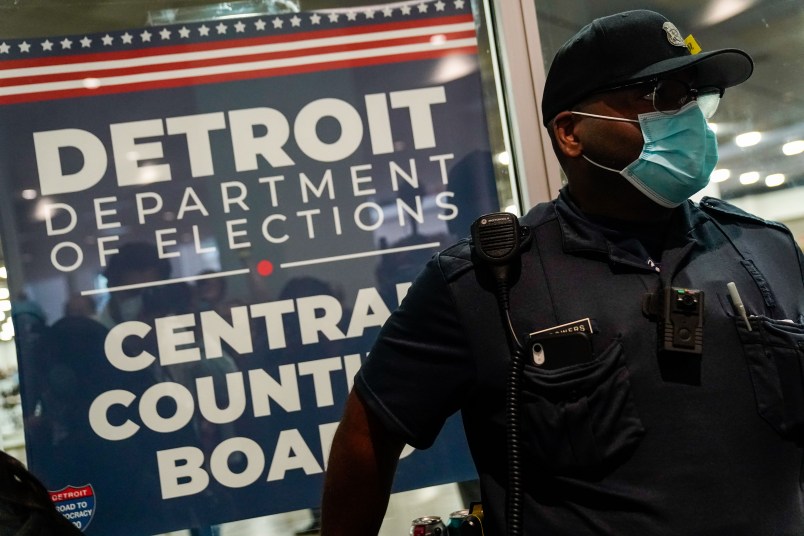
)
(680, 408)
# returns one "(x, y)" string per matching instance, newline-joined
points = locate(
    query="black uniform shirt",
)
(632, 440)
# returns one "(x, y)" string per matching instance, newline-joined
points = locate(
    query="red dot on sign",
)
(265, 268)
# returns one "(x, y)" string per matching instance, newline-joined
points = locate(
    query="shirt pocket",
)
(774, 350)
(581, 418)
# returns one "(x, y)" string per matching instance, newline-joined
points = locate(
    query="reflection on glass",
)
(224, 10)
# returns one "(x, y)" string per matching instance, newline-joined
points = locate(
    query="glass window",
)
(28, 22)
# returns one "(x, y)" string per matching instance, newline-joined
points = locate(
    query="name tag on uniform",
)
(562, 346)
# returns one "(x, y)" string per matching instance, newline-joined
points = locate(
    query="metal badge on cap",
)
(673, 35)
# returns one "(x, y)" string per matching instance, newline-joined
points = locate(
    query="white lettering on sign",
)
(182, 470)
(316, 317)
(257, 135)
(237, 199)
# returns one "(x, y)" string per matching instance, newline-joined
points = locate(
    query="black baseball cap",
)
(629, 47)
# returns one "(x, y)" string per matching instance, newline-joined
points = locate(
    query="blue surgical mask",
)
(679, 154)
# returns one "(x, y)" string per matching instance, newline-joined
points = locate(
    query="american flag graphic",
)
(232, 49)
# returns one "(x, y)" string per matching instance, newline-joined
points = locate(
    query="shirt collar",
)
(582, 236)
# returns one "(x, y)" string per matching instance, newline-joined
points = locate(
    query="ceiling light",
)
(4, 294)
(749, 178)
(3, 272)
(793, 147)
(776, 179)
(713, 127)
(719, 10)
(748, 139)
(720, 175)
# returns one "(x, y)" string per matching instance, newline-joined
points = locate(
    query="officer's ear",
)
(563, 130)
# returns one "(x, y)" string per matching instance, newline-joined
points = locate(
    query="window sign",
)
(206, 224)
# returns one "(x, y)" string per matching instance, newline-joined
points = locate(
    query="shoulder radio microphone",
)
(497, 241)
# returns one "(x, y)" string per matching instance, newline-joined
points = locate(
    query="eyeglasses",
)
(669, 96)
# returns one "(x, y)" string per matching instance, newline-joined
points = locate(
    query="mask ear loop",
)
(609, 117)
(601, 166)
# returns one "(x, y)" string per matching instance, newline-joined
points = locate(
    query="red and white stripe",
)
(185, 65)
